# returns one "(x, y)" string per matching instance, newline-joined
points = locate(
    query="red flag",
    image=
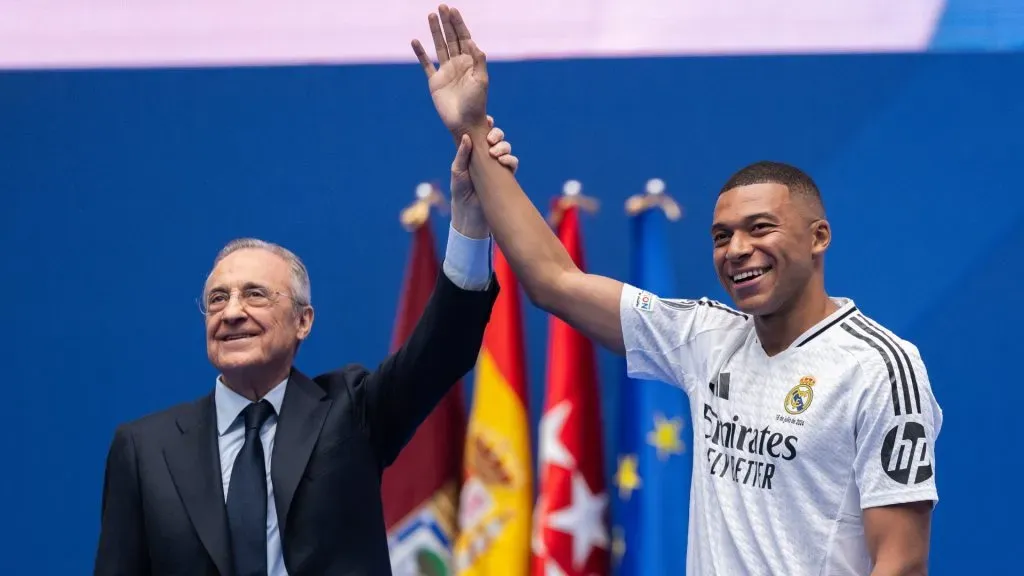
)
(571, 532)
(420, 489)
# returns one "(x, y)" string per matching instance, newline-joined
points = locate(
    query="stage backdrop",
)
(120, 186)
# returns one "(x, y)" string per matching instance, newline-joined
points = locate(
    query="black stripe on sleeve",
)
(906, 360)
(859, 321)
(888, 365)
(827, 326)
(678, 303)
(717, 306)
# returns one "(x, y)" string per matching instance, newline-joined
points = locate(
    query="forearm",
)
(536, 255)
(893, 560)
(897, 537)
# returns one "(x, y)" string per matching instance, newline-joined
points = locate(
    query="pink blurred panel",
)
(90, 33)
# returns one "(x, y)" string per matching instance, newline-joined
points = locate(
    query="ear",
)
(821, 237)
(305, 320)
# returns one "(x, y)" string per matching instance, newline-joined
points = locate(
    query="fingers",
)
(501, 149)
(466, 43)
(459, 26)
(461, 162)
(421, 55)
(439, 46)
(490, 121)
(449, 30)
(495, 135)
(479, 58)
(509, 161)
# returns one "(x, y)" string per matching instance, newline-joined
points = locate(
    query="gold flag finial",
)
(654, 196)
(572, 195)
(416, 214)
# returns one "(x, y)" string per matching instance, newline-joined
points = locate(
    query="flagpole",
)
(572, 195)
(428, 196)
(654, 196)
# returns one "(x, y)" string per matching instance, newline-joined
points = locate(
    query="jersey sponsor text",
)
(735, 441)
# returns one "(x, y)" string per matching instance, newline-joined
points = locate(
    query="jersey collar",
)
(846, 308)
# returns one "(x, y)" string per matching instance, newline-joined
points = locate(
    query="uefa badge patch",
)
(644, 301)
(798, 399)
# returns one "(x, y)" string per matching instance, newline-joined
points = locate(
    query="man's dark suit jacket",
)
(163, 506)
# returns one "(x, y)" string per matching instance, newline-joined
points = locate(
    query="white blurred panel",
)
(101, 33)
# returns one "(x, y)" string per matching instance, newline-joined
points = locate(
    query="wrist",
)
(475, 129)
(469, 221)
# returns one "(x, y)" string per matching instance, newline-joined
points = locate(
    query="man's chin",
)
(237, 362)
(754, 305)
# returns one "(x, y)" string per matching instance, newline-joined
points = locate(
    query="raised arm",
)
(588, 302)
(444, 345)
(442, 348)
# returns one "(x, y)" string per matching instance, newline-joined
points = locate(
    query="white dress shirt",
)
(467, 264)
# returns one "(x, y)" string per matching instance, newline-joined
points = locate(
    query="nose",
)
(739, 248)
(234, 311)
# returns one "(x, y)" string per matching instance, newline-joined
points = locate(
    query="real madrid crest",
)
(798, 399)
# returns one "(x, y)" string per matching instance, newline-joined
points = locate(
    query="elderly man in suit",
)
(274, 473)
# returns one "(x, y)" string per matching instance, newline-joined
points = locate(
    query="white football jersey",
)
(788, 450)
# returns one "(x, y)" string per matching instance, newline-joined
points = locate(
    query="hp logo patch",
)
(905, 455)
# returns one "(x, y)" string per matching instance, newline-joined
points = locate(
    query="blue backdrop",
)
(120, 187)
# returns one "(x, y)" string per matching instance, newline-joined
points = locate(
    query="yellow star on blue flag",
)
(627, 476)
(665, 436)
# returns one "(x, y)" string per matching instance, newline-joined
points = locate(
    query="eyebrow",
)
(748, 219)
(246, 286)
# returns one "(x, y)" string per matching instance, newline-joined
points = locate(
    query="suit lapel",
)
(298, 427)
(194, 461)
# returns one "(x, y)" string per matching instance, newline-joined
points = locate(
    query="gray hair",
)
(300, 277)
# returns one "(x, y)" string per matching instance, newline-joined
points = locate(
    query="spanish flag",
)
(497, 494)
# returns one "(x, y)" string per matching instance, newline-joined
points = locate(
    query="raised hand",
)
(459, 85)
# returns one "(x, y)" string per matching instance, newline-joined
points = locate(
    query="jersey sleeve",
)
(670, 339)
(897, 425)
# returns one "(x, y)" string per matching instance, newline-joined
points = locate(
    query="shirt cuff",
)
(467, 261)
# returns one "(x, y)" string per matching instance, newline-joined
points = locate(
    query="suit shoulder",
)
(349, 375)
(160, 419)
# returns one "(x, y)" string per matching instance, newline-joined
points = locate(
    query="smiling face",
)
(253, 327)
(768, 245)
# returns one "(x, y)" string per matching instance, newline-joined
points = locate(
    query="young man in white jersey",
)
(814, 427)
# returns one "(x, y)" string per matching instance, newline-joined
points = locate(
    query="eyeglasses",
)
(251, 297)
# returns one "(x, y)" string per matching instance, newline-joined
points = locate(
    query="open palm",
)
(459, 85)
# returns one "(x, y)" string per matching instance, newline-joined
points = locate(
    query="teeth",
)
(748, 274)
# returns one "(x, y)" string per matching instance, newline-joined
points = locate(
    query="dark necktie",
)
(247, 496)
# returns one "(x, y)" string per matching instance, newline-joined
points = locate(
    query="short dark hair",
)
(768, 172)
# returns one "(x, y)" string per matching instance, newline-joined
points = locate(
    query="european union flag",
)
(652, 475)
